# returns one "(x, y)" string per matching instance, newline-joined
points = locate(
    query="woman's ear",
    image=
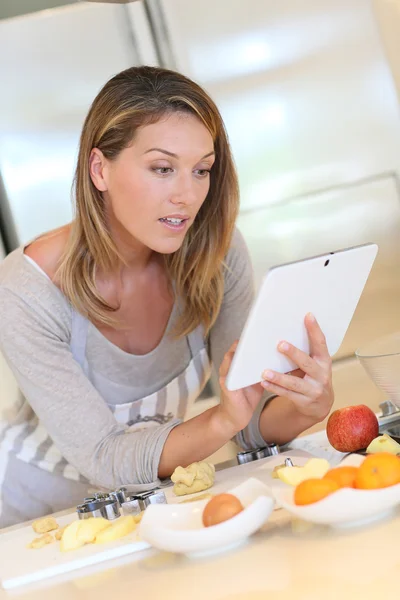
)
(97, 165)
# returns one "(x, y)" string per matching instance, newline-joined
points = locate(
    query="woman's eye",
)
(203, 172)
(163, 170)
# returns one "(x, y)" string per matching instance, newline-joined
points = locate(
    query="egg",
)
(221, 508)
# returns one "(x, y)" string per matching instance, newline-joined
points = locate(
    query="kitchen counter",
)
(285, 560)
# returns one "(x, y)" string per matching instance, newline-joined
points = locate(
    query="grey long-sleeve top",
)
(35, 333)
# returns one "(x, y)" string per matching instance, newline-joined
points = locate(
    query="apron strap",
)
(196, 340)
(79, 329)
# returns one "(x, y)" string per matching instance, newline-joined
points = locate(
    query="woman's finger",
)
(318, 346)
(297, 398)
(290, 382)
(227, 360)
(301, 359)
(317, 406)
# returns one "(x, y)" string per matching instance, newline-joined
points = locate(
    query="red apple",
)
(352, 428)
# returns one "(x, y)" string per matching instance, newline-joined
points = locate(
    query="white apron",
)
(29, 442)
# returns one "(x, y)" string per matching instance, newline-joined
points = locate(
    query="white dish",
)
(345, 508)
(179, 528)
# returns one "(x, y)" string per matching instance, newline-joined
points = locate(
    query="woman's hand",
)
(310, 387)
(236, 408)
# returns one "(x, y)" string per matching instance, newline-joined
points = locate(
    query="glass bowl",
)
(381, 360)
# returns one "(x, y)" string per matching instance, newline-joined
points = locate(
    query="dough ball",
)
(196, 477)
(42, 541)
(45, 525)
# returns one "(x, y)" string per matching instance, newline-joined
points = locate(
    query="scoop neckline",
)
(30, 261)
(122, 352)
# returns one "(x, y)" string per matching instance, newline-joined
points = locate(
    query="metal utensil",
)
(111, 506)
(257, 453)
(106, 508)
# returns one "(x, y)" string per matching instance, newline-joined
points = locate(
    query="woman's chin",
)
(168, 248)
(165, 246)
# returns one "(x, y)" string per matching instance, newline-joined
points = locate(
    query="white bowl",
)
(347, 507)
(179, 527)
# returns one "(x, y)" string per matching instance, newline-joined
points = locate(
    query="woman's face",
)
(155, 187)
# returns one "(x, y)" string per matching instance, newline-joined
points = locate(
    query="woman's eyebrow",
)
(172, 153)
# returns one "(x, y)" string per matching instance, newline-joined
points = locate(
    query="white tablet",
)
(328, 286)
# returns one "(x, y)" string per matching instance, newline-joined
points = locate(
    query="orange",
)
(344, 476)
(378, 471)
(313, 490)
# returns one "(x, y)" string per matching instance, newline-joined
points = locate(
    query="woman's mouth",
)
(174, 223)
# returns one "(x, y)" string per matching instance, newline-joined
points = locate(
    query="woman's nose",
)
(185, 192)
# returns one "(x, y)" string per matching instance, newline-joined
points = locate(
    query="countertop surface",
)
(286, 559)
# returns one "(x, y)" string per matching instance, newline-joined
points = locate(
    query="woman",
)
(110, 324)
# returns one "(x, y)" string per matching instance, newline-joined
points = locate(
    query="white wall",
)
(311, 110)
(388, 17)
(312, 114)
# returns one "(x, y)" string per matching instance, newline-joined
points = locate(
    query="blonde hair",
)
(133, 98)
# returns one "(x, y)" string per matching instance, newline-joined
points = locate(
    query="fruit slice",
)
(79, 533)
(59, 533)
(90, 528)
(313, 490)
(276, 469)
(383, 443)
(314, 468)
(292, 475)
(69, 540)
(317, 467)
(122, 527)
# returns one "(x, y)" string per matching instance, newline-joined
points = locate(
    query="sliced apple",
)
(69, 540)
(79, 533)
(383, 443)
(315, 467)
(292, 475)
(276, 469)
(90, 528)
(122, 527)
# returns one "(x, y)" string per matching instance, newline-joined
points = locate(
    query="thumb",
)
(227, 360)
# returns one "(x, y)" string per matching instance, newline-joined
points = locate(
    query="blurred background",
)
(307, 89)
